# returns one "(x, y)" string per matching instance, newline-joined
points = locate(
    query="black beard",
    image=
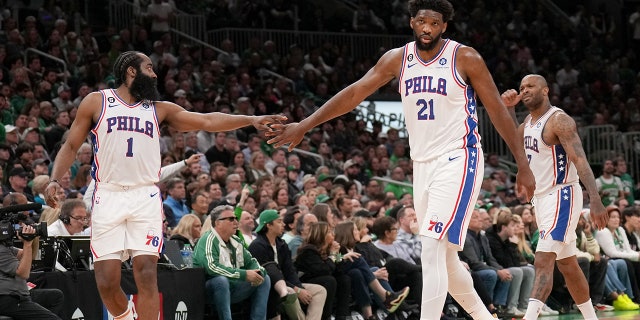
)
(144, 87)
(429, 46)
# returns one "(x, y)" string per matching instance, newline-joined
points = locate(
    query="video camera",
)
(12, 216)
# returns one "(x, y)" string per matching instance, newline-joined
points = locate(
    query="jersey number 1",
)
(129, 147)
(426, 110)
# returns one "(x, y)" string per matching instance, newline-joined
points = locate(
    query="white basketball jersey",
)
(126, 142)
(549, 163)
(439, 107)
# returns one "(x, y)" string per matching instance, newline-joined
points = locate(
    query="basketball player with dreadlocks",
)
(123, 124)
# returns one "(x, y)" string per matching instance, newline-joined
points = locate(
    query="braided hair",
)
(123, 62)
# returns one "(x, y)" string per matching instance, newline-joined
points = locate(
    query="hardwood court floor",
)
(609, 315)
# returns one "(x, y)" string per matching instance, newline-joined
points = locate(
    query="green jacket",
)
(218, 258)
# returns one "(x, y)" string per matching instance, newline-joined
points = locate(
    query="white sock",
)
(533, 309)
(588, 312)
(126, 315)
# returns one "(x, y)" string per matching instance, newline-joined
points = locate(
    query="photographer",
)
(15, 266)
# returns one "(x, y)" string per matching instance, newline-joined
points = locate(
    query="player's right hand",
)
(598, 214)
(510, 98)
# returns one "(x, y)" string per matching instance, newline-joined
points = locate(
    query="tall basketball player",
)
(438, 82)
(555, 155)
(127, 207)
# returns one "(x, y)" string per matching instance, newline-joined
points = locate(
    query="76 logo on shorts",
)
(435, 225)
(152, 240)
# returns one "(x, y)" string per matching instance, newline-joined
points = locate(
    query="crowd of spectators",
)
(589, 61)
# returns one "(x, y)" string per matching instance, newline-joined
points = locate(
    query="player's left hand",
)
(525, 183)
(50, 196)
(598, 214)
(263, 123)
(282, 134)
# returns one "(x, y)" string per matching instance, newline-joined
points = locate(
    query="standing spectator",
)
(365, 20)
(610, 187)
(218, 152)
(229, 58)
(161, 13)
(233, 274)
(634, 21)
(567, 77)
(397, 174)
(620, 166)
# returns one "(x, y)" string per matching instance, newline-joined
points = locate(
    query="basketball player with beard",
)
(438, 80)
(127, 208)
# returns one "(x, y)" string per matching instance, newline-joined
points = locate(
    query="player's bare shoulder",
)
(561, 125)
(469, 62)
(165, 109)
(91, 105)
(391, 62)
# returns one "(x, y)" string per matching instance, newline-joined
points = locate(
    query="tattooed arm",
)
(564, 128)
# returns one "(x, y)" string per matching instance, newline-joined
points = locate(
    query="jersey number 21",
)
(426, 110)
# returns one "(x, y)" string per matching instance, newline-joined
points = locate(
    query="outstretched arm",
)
(472, 67)
(183, 120)
(565, 129)
(344, 101)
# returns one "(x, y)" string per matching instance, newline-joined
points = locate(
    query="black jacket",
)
(477, 253)
(312, 265)
(505, 252)
(263, 252)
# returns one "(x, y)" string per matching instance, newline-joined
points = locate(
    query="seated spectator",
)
(316, 262)
(73, 219)
(477, 254)
(233, 275)
(176, 200)
(509, 257)
(286, 286)
(408, 229)
(386, 229)
(302, 231)
(17, 182)
(401, 273)
(290, 220)
(246, 226)
(187, 232)
(614, 243)
(593, 265)
(375, 282)
(323, 212)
